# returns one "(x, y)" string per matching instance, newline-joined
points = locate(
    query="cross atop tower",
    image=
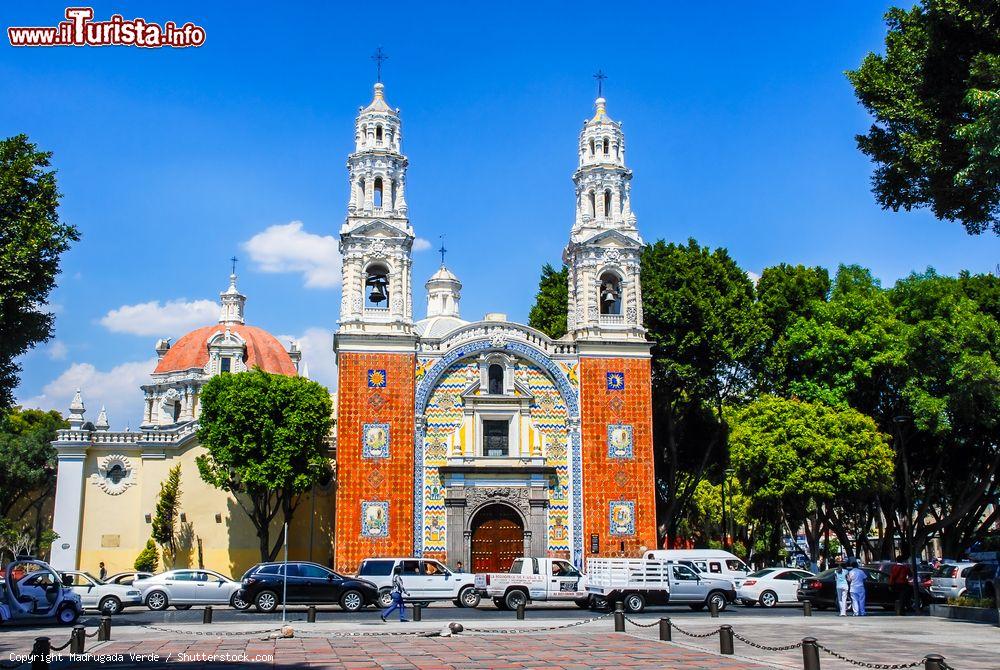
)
(379, 57)
(442, 250)
(234, 259)
(600, 77)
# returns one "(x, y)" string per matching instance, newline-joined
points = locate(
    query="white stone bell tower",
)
(605, 298)
(376, 239)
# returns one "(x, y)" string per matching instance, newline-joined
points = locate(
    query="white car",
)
(95, 594)
(187, 587)
(126, 578)
(771, 586)
(425, 580)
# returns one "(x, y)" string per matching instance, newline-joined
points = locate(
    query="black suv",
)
(308, 584)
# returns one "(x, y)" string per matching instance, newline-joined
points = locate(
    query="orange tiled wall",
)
(606, 479)
(360, 479)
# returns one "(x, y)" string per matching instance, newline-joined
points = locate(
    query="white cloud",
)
(288, 248)
(57, 350)
(753, 276)
(317, 354)
(173, 318)
(420, 244)
(117, 389)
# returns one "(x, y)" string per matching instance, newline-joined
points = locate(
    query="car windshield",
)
(763, 573)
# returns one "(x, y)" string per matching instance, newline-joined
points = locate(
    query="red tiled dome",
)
(263, 350)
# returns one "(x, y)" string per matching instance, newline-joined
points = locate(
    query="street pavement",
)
(545, 638)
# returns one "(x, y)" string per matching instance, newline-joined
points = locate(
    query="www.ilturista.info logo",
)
(80, 30)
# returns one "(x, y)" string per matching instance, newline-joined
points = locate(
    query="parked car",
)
(33, 591)
(549, 579)
(983, 581)
(714, 562)
(95, 594)
(127, 578)
(426, 580)
(821, 590)
(639, 582)
(771, 586)
(184, 588)
(948, 580)
(307, 583)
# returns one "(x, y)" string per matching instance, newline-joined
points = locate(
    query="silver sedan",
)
(186, 587)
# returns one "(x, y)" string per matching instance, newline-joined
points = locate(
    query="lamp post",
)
(729, 517)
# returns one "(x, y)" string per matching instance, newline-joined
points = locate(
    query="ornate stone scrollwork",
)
(114, 474)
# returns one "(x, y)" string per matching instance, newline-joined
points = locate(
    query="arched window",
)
(116, 473)
(377, 286)
(177, 410)
(377, 195)
(611, 294)
(364, 134)
(607, 204)
(593, 204)
(591, 147)
(378, 134)
(393, 186)
(495, 375)
(606, 146)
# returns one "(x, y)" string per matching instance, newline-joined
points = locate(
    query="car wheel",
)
(514, 598)
(500, 604)
(266, 601)
(157, 601)
(468, 597)
(719, 599)
(599, 603)
(67, 615)
(182, 608)
(238, 603)
(110, 605)
(352, 601)
(768, 599)
(635, 603)
(748, 603)
(384, 598)
(582, 603)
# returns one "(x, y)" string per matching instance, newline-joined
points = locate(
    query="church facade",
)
(480, 441)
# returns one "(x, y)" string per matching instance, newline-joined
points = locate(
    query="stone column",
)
(455, 521)
(67, 514)
(536, 535)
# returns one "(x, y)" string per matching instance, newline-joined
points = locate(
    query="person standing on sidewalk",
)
(856, 580)
(102, 572)
(397, 596)
(900, 583)
(841, 577)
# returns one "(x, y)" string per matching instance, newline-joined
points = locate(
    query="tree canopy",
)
(548, 314)
(32, 239)
(935, 96)
(265, 436)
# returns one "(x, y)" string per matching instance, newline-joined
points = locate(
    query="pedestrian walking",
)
(397, 593)
(856, 581)
(102, 572)
(842, 588)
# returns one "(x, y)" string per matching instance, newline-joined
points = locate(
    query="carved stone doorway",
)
(497, 539)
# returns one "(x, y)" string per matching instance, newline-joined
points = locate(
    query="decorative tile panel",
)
(374, 519)
(375, 440)
(621, 518)
(376, 379)
(616, 381)
(619, 440)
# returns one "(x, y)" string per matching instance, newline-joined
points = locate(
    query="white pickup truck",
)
(638, 582)
(534, 579)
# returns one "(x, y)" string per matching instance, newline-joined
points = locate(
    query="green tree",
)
(707, 336)
(266, 439)
(935, 96)
(147, 560)
(798, 458)
(164, 529)
(551, 302)
(28, 475)
(31, 242)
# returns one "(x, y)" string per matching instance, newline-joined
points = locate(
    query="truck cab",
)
(532, 579)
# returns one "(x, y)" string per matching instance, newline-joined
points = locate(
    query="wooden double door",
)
(497, 539)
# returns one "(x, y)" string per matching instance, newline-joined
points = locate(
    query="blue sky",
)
(739, 123)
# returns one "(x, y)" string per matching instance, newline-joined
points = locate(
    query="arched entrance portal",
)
(497, 538)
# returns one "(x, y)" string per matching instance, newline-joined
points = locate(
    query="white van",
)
(714, 562)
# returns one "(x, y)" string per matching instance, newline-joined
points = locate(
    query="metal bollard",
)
(934, 662)
(416, 611)
(713, 608)
(311, 615)
(810, 654)
(77, 639)
(665, 630)
(807, 608)
(726, 640)
(619, 617)
(206, 614)
(520, 611)
(40, 652)
(104, 629)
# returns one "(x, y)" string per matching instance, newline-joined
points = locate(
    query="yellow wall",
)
(229, 547)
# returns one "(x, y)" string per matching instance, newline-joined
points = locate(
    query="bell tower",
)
(605, 298)
(375, 346)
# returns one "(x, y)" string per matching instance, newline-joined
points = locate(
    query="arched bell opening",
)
(611, 294)
(377, 286)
